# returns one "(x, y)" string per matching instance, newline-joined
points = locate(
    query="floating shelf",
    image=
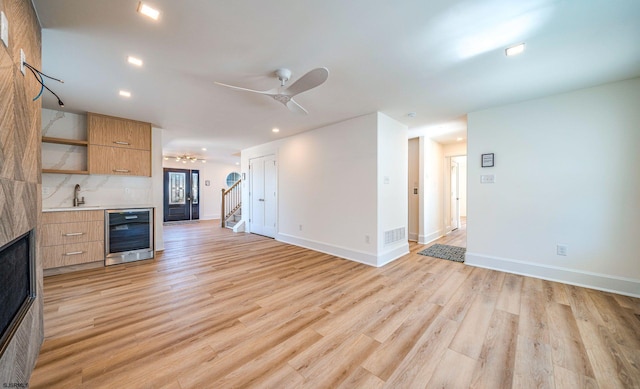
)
(62, 141)
(58, 171)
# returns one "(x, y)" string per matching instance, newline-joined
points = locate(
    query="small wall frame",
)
(487, 160)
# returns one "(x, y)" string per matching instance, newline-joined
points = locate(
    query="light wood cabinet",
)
(119, 161)
(118, 132)
(72, 238)
(118, 146)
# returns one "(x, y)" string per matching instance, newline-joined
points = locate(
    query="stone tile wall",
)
(20, 182)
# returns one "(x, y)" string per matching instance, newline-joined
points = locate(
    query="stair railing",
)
(231, 202)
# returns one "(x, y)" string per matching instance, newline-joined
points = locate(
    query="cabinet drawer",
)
(72, 216)
(72, 254)
(67, 233)
(119, 161)
(117, 132)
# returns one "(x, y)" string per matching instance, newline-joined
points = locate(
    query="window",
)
(232, 178)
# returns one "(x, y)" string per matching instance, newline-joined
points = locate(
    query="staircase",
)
(234, 219)
(231, 212)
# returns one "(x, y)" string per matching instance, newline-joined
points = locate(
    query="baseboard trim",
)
(424, 239)
(598, 281)
(342, 252)
(393, 254)
(413, 236)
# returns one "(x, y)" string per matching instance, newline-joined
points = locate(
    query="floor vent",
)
(393, 236)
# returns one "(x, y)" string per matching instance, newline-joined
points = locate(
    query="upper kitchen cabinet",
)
(118, 132)
(118, 146)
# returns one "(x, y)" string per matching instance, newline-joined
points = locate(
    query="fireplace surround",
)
(17, 285)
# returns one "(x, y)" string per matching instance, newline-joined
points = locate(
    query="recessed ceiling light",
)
(459, 139)
(134, 61)
(125, 93)
(237, 163)
(514, 50)
(275, 130)
(148, 11)
(204, 149)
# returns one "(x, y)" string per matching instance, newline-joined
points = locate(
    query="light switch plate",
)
(4, 29)
(23, 59)
(488, 179)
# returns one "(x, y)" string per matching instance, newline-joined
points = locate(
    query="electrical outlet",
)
(23, 58)
(561, 249)
(300, 227)
(4, 29)
(367, 239)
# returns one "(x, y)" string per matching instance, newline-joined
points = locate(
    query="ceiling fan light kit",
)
(310, 80)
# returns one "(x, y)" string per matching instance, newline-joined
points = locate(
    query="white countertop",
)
(97, 207)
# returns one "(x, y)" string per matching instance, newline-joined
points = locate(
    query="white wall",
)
(566, 173)
(98, 190)
(392, 169)
(157, 194)
(413, 182)
(210, 196)
(431, 191)
(328, 184)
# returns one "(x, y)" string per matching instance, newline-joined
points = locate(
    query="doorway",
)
(455, 189)
(181, 194)
(455, 195)
(263, 195)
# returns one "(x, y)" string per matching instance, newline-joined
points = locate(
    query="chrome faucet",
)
(76, 200)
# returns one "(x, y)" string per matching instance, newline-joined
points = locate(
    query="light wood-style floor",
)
(222, 310)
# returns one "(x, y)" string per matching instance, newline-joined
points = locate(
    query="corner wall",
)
(566, 170)
(431, 170)
(392, 157)
(20, 201)
(328, 183)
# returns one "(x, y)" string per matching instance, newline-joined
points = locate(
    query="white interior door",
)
(270, 196)
(455, 195)
(263, 195)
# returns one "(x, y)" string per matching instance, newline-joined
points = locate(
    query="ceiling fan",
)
(312, 79)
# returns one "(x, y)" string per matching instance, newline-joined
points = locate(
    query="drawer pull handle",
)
(121, 143)
(130, 217)
(74, 253)
(74, 234)
(121, 170)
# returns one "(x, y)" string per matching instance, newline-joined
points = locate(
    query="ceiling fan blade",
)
(310, 80)
(295, 107)
(267, 92)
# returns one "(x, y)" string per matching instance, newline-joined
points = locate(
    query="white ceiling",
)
(440, 59)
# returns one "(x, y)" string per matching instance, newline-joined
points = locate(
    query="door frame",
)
(447, 205)
(455, 194)
(188, 193)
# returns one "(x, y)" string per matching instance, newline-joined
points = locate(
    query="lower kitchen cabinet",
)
(72, 238)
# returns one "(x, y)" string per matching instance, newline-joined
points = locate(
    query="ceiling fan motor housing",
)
(283, 75)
